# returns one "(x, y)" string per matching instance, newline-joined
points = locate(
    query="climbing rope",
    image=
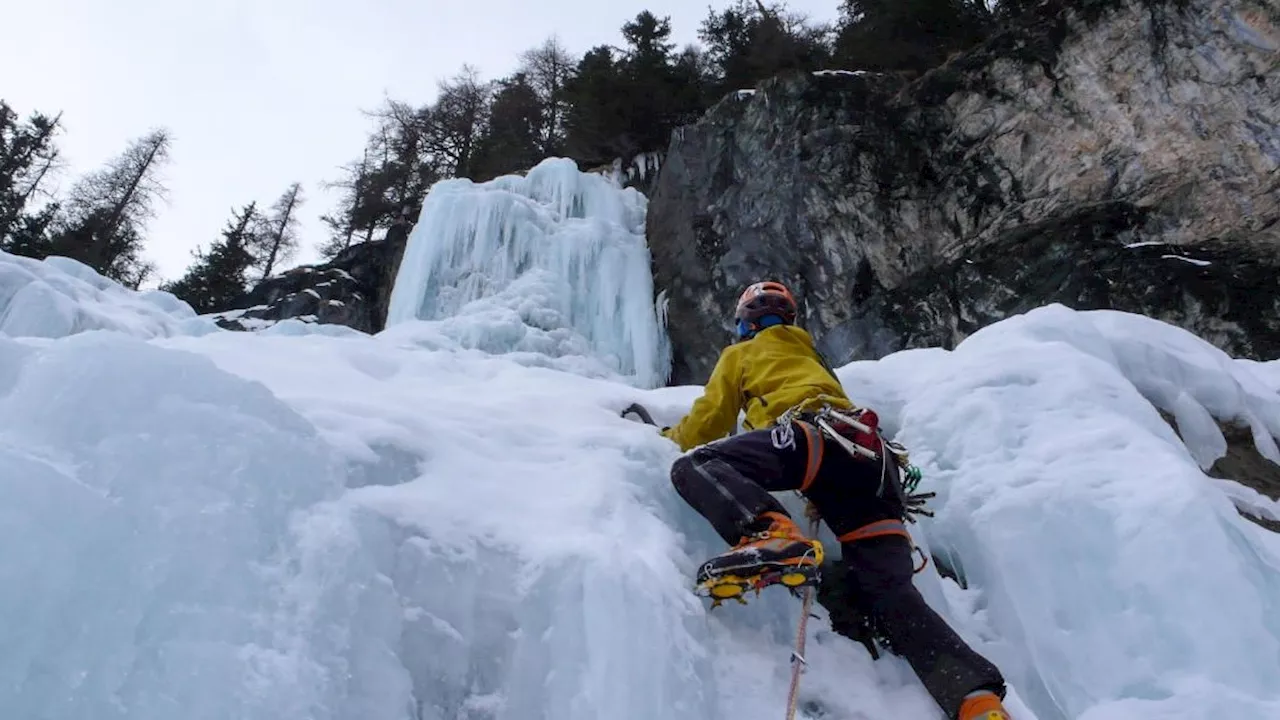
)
(797, 652)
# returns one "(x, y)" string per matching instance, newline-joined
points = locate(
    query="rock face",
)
(1116, 155)
(353, 289)
(1245, 465)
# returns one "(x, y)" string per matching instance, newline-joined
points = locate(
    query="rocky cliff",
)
(353, 289)
(1114, 155)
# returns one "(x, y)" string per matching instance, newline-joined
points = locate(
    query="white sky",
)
(262, 93)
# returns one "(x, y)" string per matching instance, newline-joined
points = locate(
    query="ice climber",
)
(799, 437)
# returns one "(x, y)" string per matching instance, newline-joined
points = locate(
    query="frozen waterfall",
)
(550, 261)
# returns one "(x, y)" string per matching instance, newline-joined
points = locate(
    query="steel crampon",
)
(734, 587)
(802, 583)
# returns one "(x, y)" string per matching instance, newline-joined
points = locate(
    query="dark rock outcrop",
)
(1115, 155)
(1245, 465)
(353, 289)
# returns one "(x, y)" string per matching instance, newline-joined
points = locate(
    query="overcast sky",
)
(260, 93)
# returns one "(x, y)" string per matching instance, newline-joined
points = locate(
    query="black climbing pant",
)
(729, 483)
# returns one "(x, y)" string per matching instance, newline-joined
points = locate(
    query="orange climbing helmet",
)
(760, 303)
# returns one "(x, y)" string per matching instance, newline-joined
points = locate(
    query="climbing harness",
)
(869, 444)
(857, 432)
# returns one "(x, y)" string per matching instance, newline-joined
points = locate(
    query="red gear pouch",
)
(869, 440)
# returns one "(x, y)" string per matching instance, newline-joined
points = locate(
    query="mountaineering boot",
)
(982, 705)
(779, 553)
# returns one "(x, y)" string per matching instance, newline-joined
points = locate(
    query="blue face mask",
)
(746, 330)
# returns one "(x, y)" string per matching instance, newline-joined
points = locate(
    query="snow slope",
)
(311, 526)
(300, 523)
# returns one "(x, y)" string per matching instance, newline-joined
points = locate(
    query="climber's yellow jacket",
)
(771, 373)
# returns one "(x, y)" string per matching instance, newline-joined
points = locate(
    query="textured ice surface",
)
(292, 524)
(530, 539)
(530, 262)
(151, 568)
(1115, 579)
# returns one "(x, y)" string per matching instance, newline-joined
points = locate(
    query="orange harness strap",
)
(881, 528)
(876, 529)
(813, 438)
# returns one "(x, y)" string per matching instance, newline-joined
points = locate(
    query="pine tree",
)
(908, 35)
(350, 217)
(407, 162)
(276, 238)
(548, 69)
(28, 159)
(749, 42)
(691, 92)
(456, 122)
(30, 234)
(106, 212)
(596, 124)
(515, 132)
(660, 90)
(624, 105)
(386, 187)
(218, 277)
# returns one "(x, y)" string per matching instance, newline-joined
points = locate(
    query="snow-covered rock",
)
(353, 290)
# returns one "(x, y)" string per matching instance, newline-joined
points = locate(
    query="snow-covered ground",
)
(430, 524)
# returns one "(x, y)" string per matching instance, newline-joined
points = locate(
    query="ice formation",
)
(549, 262)
(1113, 579)
(640, 169)
(60, 296)
(333, 526)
